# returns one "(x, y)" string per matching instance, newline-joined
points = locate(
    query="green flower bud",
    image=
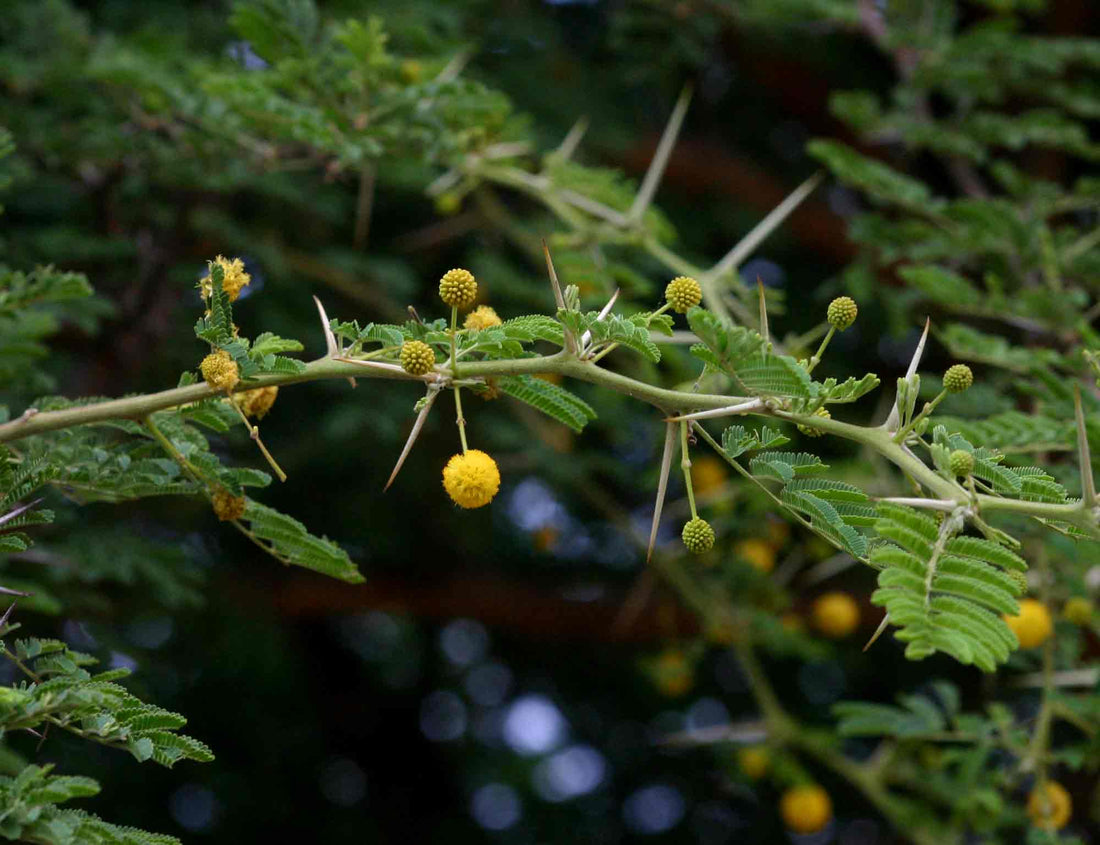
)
(698, 536)
(957, 378)
(842, 312)
(962, 462)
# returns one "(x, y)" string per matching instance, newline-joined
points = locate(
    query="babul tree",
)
(980, 514)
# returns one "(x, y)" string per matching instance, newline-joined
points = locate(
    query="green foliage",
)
(291, 543)
(554, 401)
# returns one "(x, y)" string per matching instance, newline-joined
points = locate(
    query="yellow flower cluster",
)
(228, 507)
(471, 479)
(233, 280)
(220, 371)
(458, 288)
(256, 403)
(482, 317)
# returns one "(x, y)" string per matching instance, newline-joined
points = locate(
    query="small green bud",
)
(842, 312)
(683, 293)
(957, 378)
(962, 462)
(417, 357)
(698, 536)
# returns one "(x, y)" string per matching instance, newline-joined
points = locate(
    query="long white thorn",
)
(660, 158)
(330, 339)
(572, 140)
(763, 310)
(662, 486)
(894, 420)
(587, 336)
(729, 410)
(559, 298)
(433, 392)
(878, 631)
(732, 259)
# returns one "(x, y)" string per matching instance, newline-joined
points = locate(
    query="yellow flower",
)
(683, 293)
(472, 479)
(759, 553)
(482, 317)
(220, 370)
(228, 507)
(458, 287)
(835, 615)
(416, 357)
(233, 280)
(806, 809)
(1033, 626)
(1049, 806)
(256, 403)
(813, 432)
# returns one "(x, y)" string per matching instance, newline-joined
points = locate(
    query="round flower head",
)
(835, 614)
(1033, 626)
(754, 761)
(256, 403)
(416, 357)
(228, 507)
(458, 288)
(683, 293)
(957, 378)
(842, 312)
(220, 370)
(813, 432)
(962, 462)
(482, 317)
(472, 479)
(698, 536)
(1049, 806)
(233, 279)
(759, 553)
(806, 809)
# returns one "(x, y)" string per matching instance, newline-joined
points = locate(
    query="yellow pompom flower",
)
(458, 288)
(754, 761)
(482, 317)
(233, 280)
(471, 479)
(1049, 806)
(835, 614)
(805, 809)
(220, 370)
(1033, 626)
(228, 507)
(759, 553)
(256, 403)
(416, 357)
(683, 293)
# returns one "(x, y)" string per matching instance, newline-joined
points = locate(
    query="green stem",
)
(928, 408)
(685, 465)
(816, 359)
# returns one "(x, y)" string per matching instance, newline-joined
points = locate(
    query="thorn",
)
(570, 341)
(572, 140)
(878, 631)
(660, 157)
(7, 615)
(763, 310)
(433, 392)
(22, 509)
(330, 339)
(1088, 484)
(587, 336)
(732, 259)
(662, 486)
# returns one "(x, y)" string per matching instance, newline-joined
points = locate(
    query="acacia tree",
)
(977, 522)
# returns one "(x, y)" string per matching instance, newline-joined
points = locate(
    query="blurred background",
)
(477, 688)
